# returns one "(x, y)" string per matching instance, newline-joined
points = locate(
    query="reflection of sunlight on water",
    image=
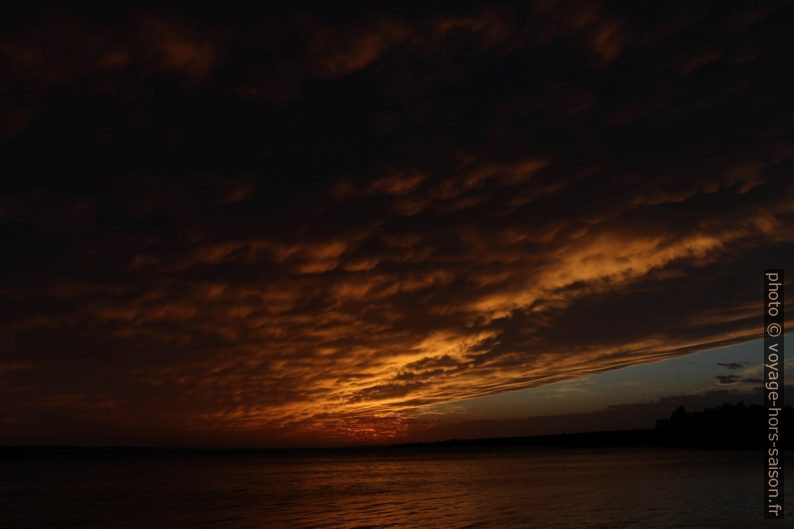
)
(578, 489)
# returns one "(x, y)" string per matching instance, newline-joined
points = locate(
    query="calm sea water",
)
(581, 489)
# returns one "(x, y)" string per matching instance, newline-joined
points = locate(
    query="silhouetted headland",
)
(727, 427)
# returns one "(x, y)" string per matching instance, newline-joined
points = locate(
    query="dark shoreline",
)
(605, 439)
(727, 427)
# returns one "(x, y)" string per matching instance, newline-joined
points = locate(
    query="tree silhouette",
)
(725, 427)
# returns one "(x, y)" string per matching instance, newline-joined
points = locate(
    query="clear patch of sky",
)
(739, 366)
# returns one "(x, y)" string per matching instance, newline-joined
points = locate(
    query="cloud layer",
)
(314, 224)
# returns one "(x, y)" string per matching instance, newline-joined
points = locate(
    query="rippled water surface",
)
(582, 489)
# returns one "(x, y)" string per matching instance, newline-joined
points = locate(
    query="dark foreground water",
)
(581, 489)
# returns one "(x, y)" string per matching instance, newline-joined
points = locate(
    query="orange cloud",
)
(328, 225)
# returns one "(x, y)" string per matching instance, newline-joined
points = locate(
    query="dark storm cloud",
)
(732, 365)
(734, 379)
(727, 379)
(312, 220)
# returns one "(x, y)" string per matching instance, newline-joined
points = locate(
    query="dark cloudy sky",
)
(326, 222)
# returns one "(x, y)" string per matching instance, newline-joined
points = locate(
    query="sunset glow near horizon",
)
(282, 226)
